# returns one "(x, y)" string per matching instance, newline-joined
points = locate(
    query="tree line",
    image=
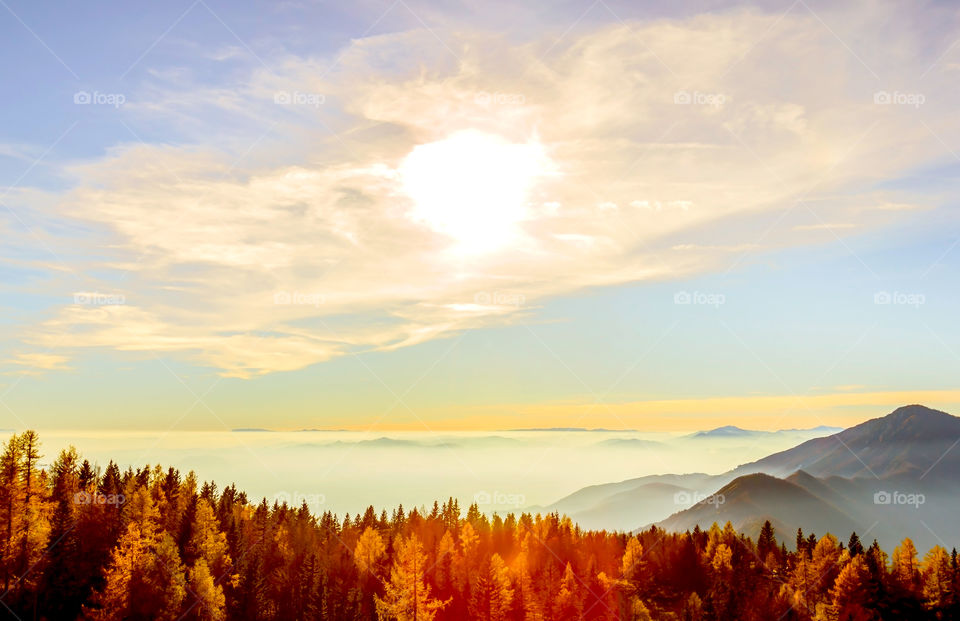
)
(80, 542)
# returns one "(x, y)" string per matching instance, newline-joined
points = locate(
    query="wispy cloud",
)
(658, 136)
(36, 363)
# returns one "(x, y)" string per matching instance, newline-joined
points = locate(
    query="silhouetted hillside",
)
(748, 500)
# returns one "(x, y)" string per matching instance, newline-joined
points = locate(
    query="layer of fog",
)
(347, 471)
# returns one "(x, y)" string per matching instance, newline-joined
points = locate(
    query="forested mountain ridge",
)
(152, 544)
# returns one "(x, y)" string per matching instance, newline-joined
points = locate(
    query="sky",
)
(437, 216)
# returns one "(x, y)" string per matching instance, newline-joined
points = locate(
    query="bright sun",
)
(473, 186)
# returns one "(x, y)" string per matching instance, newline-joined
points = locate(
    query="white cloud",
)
(38, 362)
(646, 180)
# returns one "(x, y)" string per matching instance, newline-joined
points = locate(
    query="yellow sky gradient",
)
(766, 412)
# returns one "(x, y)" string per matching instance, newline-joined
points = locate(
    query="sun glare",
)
(473, 186)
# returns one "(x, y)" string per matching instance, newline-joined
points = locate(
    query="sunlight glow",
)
(473, 186)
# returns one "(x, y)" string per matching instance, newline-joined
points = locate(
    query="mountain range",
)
(731, 431)
(888, 476)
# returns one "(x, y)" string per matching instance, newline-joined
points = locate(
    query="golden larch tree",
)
(407, 595)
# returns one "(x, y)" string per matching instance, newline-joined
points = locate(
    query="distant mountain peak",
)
(725, 431)
(727, 428)
(916, 409)
(917, 406)
(732, 431)
(911, 440)
(910, 422)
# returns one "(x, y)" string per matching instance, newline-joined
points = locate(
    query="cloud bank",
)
(670, 148)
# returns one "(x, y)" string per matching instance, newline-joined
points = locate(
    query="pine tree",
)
(825, 564)
(158, 586)
(112, 602)
(208, 601)
(855, 545)
(906, 567)
(721, 591)
(208, 543)
(632, 563)
(937, 579)
(443, 568)
(467, 562)
(368, 551)
(847, 595)
(568, 601)
(30, 449)
(66, 586)
(801, 584)
(722, 559)
(501, 589)
(24, 516)
(139, 509)
(766, 542)
(407, 596)
(368, 555)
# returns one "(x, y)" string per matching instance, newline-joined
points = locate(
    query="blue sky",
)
(229, 235)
